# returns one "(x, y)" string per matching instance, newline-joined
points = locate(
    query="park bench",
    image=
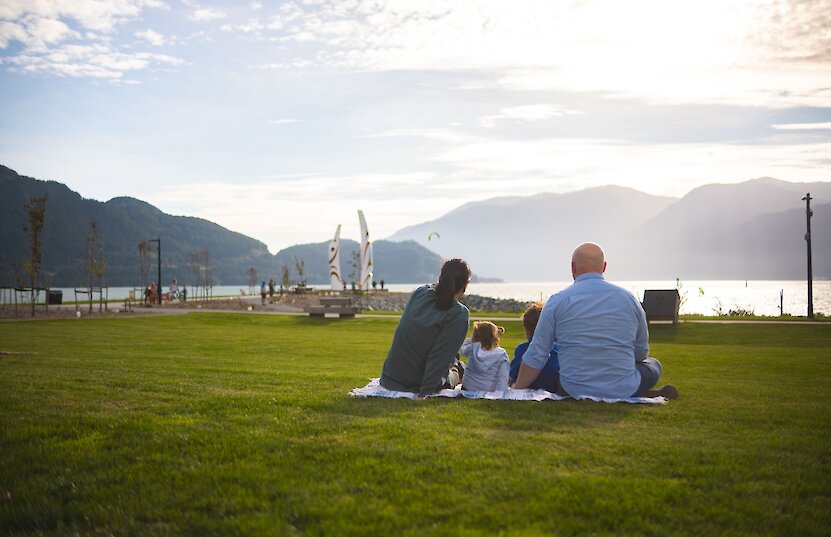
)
(661, 305)
(341, 306)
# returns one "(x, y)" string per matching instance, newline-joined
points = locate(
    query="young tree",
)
(194, 262)
(144, 262)
(96, 264)
(301, 270)
(36, 209)
(207, 271)
(252, 278)
(285, 278)
(200, 265)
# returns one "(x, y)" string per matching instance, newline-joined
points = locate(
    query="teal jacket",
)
(424, 345)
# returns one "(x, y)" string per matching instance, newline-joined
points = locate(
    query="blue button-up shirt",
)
(600, 330)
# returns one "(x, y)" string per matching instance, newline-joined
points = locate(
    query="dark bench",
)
(661, 305)
(341, 306)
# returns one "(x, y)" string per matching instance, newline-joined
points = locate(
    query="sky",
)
(281, 119)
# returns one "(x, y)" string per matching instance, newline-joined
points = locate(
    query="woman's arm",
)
(443, 351)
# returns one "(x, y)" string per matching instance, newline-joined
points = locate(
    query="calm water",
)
(704, 297)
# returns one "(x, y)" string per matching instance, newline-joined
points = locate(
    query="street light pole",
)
(158, 242)
(808, 214)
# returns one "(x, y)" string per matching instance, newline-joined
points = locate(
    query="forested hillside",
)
(192, 249)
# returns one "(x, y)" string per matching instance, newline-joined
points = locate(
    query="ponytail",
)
(454, 277)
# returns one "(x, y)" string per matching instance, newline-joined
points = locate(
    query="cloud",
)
(94, 61)
(35, 32)
(282, 121)
(658, 168)
(154, 38)
(714, 50)
(801, 30)
(315, 204)
(526, 113)
(10, 31)
(52, 34)
(98, 15)
(802, 126)
(443, 135)
(207, 14)
(252, 26)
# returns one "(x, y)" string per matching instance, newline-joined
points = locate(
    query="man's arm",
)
(642, 335)
(527, 375)
(539, 351)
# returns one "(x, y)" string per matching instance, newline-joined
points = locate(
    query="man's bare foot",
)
(669, 391)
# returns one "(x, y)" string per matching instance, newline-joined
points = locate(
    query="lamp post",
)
(808, 214)
(158, 242)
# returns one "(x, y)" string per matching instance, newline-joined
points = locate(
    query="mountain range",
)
(124, 222)
(749, 230)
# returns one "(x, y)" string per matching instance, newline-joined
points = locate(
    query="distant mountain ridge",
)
(748, 230)
(124, 222)
(518, 237)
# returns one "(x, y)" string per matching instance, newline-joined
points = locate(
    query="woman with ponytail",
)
(429, 334)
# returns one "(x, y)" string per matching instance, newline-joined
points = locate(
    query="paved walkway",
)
(260, 311)
(280, 309)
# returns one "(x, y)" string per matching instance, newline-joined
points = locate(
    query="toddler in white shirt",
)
(488, 365)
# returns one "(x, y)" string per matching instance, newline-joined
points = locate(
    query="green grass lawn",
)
(224, 424)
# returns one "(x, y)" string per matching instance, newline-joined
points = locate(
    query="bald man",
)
(602, 336)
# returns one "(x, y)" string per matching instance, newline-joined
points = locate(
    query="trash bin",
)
(55, 296)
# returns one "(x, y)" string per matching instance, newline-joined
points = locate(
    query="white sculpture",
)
(366, 255)
(335, 278)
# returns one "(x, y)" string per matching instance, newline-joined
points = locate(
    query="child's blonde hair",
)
(531, 317)
(486, 333)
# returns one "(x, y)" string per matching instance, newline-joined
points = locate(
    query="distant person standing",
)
(429, 335)
(263, 292)
(271, 290)
(602, 336)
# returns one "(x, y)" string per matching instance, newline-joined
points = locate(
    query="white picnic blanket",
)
(374, 389)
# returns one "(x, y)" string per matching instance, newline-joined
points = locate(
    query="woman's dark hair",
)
(454, 277)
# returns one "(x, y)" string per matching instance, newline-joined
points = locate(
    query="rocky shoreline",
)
(397, 301)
